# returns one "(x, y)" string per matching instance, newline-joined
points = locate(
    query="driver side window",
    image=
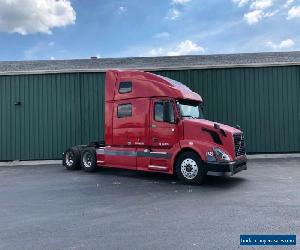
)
(164, 112)
(159, 111)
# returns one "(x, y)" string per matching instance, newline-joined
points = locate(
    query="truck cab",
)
(153, 123)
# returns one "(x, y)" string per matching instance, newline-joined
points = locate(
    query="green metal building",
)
(47, 106)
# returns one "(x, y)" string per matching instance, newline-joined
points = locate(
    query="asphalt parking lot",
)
(48, 207)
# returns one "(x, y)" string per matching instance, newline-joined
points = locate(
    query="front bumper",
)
(233, 167)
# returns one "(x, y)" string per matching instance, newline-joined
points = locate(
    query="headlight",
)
(221, 155)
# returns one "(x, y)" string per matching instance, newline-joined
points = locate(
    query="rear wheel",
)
(89, 160)
(71, 158)
(190, 169)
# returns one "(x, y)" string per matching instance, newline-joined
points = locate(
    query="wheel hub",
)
(69, 159)
(189, 168)
(87, 160)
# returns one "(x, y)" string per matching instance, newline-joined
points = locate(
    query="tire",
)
(71, 158)
(89, 160)
(190, 168)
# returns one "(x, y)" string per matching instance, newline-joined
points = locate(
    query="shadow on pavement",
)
(210, 182)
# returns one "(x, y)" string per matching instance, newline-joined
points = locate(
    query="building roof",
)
(152, 63)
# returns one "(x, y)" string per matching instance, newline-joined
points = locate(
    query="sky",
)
(68, 29)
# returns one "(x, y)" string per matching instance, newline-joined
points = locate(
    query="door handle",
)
(155, 140)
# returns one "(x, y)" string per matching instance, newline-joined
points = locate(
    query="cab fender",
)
(201, 148)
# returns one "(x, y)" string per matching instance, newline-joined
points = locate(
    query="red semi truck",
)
(156, 124)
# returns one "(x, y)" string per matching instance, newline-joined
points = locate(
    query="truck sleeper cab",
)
(153, 123)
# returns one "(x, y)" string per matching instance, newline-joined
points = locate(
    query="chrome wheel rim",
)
(87, 159)
(69, 159)
(189, 169)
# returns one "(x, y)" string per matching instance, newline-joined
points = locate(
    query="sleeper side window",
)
(124, 110)
(125, 87)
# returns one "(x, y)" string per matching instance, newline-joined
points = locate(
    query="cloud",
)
(241, 3)
(270, 14)
(122, 9)
(186, 47)
(254, 16)
(288, 3)
(294, 12)
(285, 44)
(257, 10)
(33, 16)
(255, 4)
(261, 4)
(180, 1)
(173, 14)
(156, 52)
(257, 15)
(162, 35)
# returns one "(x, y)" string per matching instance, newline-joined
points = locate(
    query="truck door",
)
(163, 128)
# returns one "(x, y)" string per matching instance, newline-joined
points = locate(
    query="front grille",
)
(239, 144)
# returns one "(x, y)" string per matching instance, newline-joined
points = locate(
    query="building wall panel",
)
(57, 111)
(263, 101)
(61, 110)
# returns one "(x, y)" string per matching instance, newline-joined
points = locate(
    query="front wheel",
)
(89, 160)
(190, 169)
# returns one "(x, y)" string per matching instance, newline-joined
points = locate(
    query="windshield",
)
(190, 109)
